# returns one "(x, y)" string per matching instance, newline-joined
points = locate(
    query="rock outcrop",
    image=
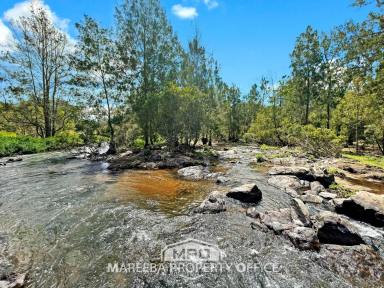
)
(364, 206)
(336, 229)
(248, 193)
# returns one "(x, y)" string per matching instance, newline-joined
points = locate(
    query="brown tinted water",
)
(376, 187)
(159, 190)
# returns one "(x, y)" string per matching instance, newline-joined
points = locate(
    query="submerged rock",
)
(215, 203)
(364, 206)
(248, 193)
(193, 172)
(196, 173)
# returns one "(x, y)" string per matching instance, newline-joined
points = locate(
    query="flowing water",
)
(67, 219)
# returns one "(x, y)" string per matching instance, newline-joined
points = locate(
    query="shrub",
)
(318, 142)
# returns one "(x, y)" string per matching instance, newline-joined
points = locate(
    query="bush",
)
(318, 142)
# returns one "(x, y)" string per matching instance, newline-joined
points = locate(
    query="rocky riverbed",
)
(65, 219)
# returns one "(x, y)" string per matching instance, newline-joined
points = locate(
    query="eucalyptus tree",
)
(98, 68)
(305, 63)
(35, 70)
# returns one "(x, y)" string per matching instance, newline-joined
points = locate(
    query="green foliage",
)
(341, 191)
(139, 143)
(13, 145)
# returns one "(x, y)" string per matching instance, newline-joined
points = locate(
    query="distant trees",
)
(336, 84)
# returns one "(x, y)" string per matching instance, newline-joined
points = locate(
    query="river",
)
(67, 219)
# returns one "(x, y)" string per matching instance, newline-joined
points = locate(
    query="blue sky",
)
(249, 38)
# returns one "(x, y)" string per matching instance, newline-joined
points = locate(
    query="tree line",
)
(134, 83)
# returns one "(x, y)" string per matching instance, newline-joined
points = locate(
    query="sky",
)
(249, 38)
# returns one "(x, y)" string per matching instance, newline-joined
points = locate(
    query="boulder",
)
(215, 203)
(364, 206)
(336, 229)
(310, 198)
(303, 238)
(291, 192)
(327, 195)
(193, 172)
(302, 212)
(284, 182)
(103, 149)
(321, 175)
(278, 220)
(316, 187)
(248, 193)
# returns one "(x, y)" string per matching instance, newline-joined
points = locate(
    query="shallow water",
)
(67, 219)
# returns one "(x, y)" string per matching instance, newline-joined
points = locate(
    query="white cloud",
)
(184, 12)
(211, 4)
(6, 37)
(23, 9)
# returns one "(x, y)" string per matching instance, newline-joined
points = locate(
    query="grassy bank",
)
(12, 144)
(367, 160)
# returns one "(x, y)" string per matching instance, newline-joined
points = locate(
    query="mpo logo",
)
(192, 250)
(192, 259)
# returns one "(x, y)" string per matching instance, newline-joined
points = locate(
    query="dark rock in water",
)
(335, 229)
(248, 193)
(158, 159)
(215, 203)
(336, 233)
(11, 160)
(3, 164)
(303, 238)
(364, 206)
